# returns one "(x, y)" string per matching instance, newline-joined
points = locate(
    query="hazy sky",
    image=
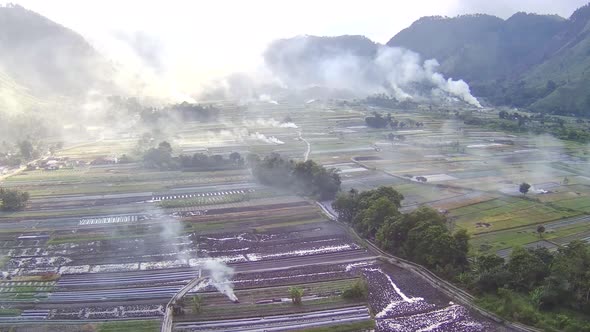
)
(188, 39)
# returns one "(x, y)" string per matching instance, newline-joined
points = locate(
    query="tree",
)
(487, 262)
(345, 205)
(460, 248)
(217, 159)
(489, 273)
(26, 149)
(357, 291)
(13, 200)
(377, 121)
(524, 188)
(307, 177)
(165, 146)
(393, 234)
(431, 245)
(526, 269)
(296, 295)
(160, 157)
(569, 281)
(540, 231)
(372, 218)
(366, 198)
(236, 158)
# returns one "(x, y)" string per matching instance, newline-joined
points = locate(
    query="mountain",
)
(534, 61)
(41, 58)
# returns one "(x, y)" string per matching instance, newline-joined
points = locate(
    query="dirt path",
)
(308, 152)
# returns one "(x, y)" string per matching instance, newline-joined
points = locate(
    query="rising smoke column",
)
(171, 232)
(221, 275)
(358, 65)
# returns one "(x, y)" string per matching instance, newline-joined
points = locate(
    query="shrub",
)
(357, 291)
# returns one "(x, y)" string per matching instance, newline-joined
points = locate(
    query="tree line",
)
(305, 177)
(184, 111)
(377, 120)
(578, 130)
(161, 157)
(535, 286)
(421, 236)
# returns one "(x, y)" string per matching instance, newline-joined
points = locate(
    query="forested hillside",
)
(539, 62)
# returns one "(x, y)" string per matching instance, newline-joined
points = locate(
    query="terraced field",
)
(116, 242)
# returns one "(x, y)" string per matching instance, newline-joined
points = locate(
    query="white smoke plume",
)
(268, 99)
(269, 123)
(363, 68)
(266, 139)
(221, 275)
(243, 134)
(288, 125)
(456, 88)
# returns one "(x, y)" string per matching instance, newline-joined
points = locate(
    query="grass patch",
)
(507, 214)
(9, 312)
(579, 204)
(365, 325)
(492, 242)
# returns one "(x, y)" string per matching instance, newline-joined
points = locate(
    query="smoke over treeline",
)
(356, 64)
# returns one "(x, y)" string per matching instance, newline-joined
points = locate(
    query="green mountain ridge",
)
(538, 62)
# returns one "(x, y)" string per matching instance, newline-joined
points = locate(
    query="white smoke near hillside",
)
(306, 61)
(456, 88)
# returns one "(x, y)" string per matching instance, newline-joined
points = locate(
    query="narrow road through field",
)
(308, 152)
